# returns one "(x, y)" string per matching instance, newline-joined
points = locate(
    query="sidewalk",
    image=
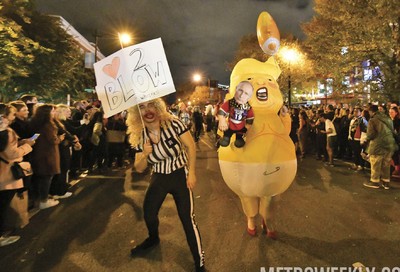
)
(106, 174)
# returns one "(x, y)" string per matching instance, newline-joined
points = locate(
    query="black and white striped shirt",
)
(169, 153)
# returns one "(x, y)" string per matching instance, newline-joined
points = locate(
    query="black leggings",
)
(5, 199)
(356, 146)
(175, 184)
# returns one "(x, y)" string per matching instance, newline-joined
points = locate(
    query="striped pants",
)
(175, 184)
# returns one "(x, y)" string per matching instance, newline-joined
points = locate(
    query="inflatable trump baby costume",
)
(266, 165)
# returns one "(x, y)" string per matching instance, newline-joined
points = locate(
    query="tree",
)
(17, 51)
(344, 33)
(200, 95)
(59, 70)
(49, 62)
(300, 70)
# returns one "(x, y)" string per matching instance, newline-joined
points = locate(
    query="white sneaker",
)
(4, 241)
(49, 203)
(66, 195)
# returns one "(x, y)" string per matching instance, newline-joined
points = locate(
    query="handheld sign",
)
(133, 75)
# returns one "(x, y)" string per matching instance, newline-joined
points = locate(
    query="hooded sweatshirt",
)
(380, 135)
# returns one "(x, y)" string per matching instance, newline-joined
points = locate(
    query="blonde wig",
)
(134, 122)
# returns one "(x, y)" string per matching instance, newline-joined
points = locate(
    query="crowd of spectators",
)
(198, 119)
(72, 141)
(343, 132)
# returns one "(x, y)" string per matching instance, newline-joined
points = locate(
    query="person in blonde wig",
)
(134, 122)
(168, 147)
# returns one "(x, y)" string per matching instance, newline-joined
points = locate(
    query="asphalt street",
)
(325, 219)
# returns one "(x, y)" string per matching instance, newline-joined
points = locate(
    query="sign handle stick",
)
(141, 119)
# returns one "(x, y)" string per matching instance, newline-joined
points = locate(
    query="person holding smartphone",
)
(21, 126)
(45, 155)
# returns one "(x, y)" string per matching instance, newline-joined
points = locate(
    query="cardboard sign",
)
(133, 75)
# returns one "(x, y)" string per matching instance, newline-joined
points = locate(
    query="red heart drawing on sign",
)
(112, 69)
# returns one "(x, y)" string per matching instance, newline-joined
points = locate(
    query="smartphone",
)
(34, 137)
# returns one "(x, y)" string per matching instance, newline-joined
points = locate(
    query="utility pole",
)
(96, 40)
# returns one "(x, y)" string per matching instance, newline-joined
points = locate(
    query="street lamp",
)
(124, 38)
(290, 55)
(198, 77)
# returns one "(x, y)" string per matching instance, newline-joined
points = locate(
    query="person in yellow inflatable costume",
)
(266, 165)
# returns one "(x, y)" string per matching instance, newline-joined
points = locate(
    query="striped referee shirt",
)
(169, 153)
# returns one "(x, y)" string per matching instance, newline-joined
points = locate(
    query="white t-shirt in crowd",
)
(328, 125)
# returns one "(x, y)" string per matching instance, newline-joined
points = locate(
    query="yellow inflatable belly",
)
(266, 165)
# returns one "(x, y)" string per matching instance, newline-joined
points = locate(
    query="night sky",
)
(198, 35)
